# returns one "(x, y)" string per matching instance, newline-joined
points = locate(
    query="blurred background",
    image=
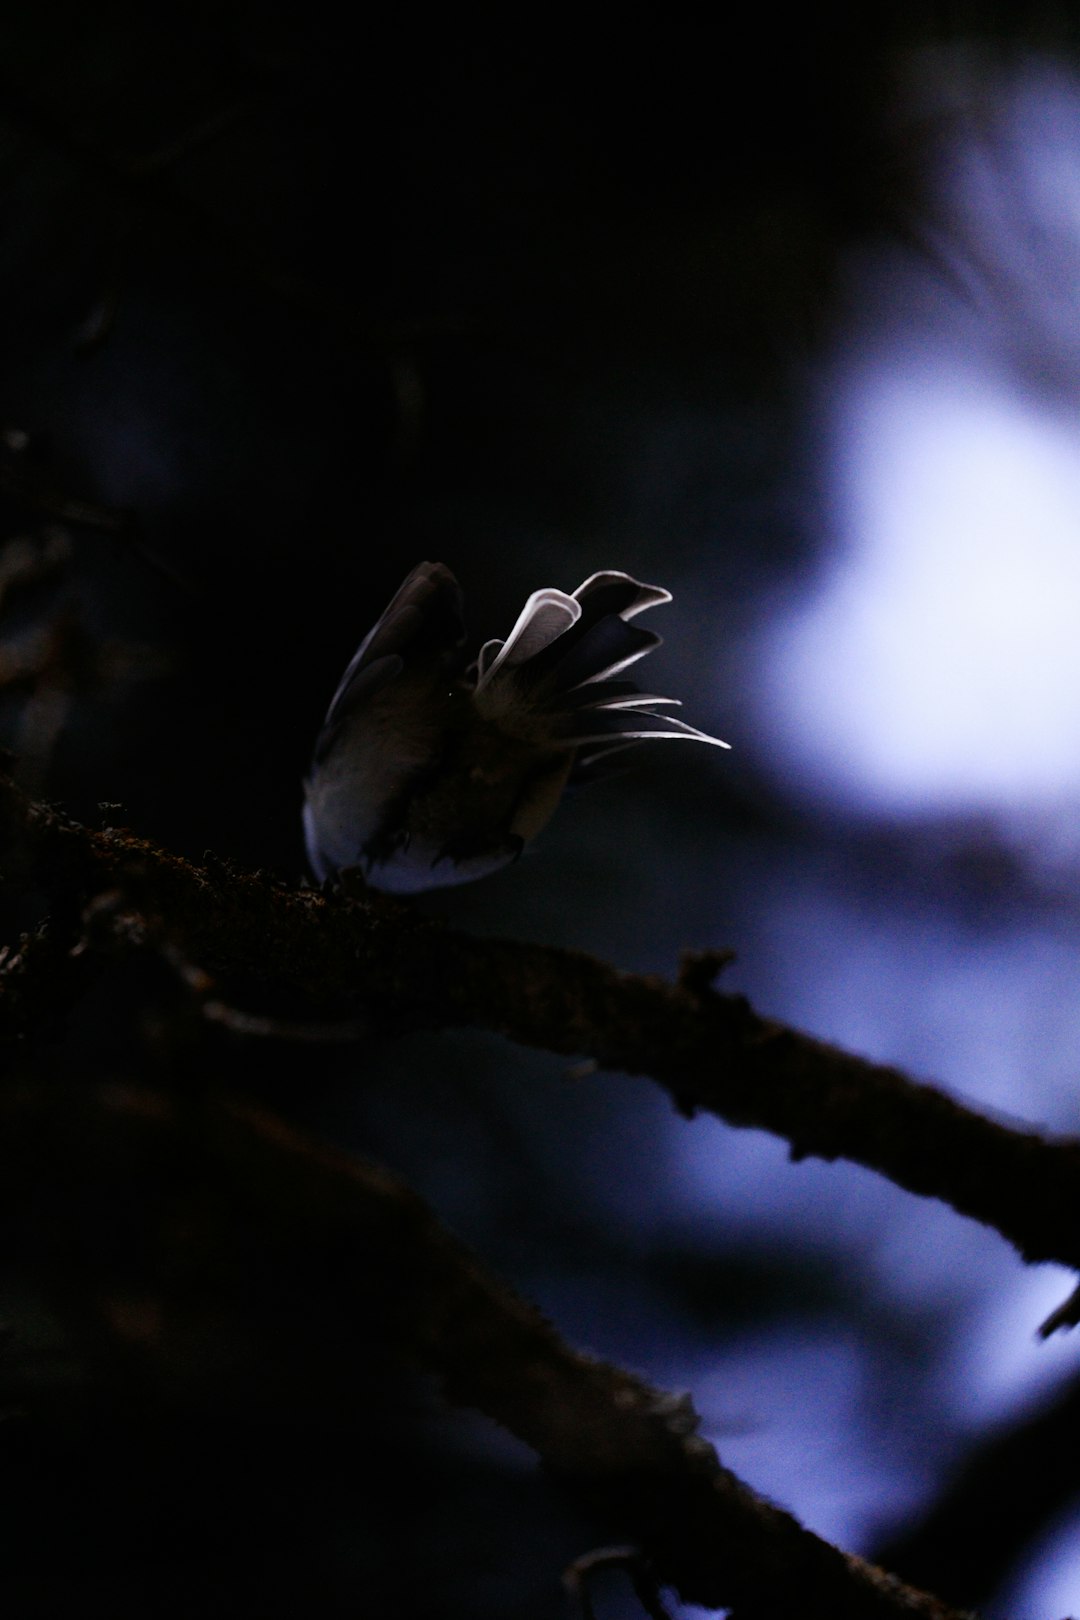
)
(786, 319)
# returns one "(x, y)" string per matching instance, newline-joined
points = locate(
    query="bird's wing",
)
(424, 624)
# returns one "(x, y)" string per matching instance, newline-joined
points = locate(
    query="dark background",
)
(287, 303)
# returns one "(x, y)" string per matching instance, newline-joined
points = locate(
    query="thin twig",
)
(629, 1559)
(111, 916)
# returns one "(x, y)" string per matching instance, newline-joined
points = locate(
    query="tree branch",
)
(628, 1450)
(298, 953)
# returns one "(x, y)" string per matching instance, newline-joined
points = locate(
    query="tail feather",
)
(605, 650)
(542, 623)
(616, 695)
(560, 663)
(599, 638)
(625, 725)
(612, 592)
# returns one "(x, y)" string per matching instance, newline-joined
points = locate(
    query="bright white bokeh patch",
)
(936, 665)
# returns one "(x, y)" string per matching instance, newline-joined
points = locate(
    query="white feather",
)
(543, 618)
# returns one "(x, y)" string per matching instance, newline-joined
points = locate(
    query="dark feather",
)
(366, 680)
(425, 618)
(609, 645)
(611, 595)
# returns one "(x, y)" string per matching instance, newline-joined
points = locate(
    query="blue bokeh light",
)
(923, 676)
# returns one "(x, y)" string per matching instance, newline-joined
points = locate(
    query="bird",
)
(434, 769)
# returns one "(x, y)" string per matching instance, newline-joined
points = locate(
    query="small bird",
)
(431, 770)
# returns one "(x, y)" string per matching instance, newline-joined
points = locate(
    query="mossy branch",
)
(296, 953)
